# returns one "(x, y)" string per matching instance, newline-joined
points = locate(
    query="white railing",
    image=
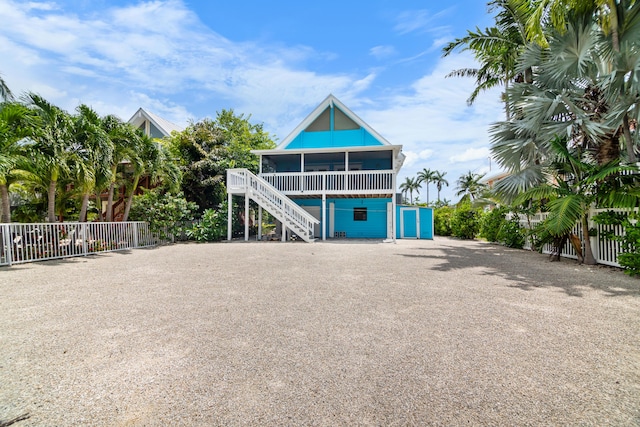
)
(605, 250)
(21, 243)
(346, 182)
(242, 181)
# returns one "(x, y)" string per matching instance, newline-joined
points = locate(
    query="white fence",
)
(20, 243)
(605, 250)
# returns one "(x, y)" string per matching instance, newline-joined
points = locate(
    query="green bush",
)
(511, 234)
(165, 213)
(465, 222)
(211, 227)
(442, 220)
(491, 222)
(629, 259)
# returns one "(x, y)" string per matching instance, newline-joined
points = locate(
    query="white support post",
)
(229, 215)
(284, 232)
(301, 186)
(323, 216)
(246, 217)
(393, 205)
(259, 222)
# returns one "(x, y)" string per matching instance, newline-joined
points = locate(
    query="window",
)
(359, 214)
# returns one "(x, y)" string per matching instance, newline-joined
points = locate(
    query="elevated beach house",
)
(332, 177)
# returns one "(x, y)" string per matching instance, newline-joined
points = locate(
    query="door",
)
(409, 223)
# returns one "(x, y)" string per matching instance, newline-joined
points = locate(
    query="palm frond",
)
(564, 212)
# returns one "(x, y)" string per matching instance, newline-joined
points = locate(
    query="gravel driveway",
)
(440, 332)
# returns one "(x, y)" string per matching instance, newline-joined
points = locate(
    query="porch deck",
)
(341, 183)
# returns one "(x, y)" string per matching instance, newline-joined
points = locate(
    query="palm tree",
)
(122, 136)
(154, 160)
(15, 122)
(574, 93)
(497, 49)
(5, 93)
(618, 24)
(469, 185)
(409, 186)
(574, 187)
(93, 151)
(51, 145)
(438, 178)
(426, 176)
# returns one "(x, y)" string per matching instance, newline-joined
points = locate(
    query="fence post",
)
(135, 234)
(85, 244)
(595, 240)
(6, 232)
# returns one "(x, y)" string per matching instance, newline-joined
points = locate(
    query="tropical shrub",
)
(166, 214)
(511, 234)
(465, 222)
(442, 220)
(211, 227)
(491, 222)
(629, 259)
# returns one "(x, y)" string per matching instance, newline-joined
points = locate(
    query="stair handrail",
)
(244, 178)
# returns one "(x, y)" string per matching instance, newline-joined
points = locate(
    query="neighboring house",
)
(152, 125)
(491, 180)
(333, 176)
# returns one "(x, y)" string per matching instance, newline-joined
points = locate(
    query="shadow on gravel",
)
(528, 270)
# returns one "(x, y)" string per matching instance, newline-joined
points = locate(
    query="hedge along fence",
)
(605, 249)
(21, 243)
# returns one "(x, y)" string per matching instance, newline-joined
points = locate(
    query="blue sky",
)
(185, 60)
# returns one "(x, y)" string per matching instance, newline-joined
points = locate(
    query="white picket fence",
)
(605, 250)
(21, 243)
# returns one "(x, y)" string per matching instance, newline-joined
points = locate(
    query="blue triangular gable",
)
(332, 125)
(333, 139)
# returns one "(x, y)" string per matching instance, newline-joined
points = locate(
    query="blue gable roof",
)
(332, 125)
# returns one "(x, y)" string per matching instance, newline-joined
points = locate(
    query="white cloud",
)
(471, 154)
(381, 52)
(158, 55)
(432, 117)
(162, 49)
(412, 20)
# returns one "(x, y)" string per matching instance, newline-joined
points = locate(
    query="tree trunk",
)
(589, 259)
(51, 202)
(507, 110)
(83, 208)
(127, 207)
(427, 192)
(99, 205)
(6, 204)
(109, 213)
(631, 153)
(613, 23)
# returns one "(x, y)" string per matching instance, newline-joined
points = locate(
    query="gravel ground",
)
(439, 332)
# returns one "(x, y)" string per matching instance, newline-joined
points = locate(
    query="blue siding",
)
(375, 227)
(333, 139)
(426, 222)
